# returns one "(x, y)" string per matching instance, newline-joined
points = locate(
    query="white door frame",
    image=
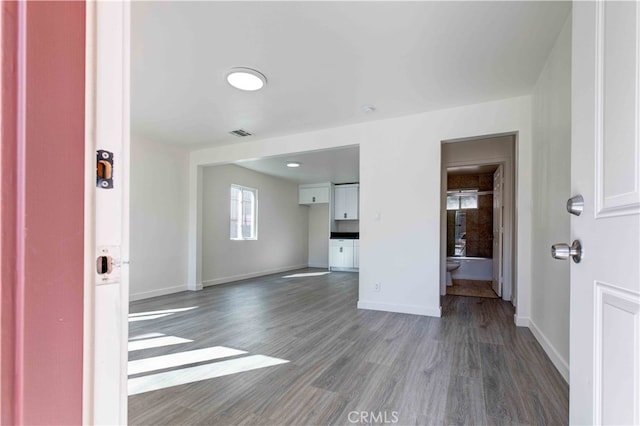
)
(497, 274)
(104, 375)
(510, 285)
(107, 127)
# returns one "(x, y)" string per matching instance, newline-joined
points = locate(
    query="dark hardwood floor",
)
(343, 365)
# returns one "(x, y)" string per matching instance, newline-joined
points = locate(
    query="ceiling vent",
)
(240, 133)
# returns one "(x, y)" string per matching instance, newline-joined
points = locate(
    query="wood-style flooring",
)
(472, 288)
(472, 366)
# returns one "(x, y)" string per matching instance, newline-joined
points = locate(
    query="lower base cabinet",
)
(344, 254)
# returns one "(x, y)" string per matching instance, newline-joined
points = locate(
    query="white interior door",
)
(498, 230)
(605, 169)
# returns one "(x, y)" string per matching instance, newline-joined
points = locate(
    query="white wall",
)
(159, 218)
(347, 226)
(399, 196)
(319, 235)
(484, 151)
(283, 224)
(551, 129)
(255, 148)
(400, 201)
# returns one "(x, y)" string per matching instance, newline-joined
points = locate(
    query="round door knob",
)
(562, 251)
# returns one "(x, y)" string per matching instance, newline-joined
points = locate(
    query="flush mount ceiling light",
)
(246, 79)
(293, 164)
(368, 109)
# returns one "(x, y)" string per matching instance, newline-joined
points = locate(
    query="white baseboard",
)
(196, 287)
(155, 293)
(521, 321)
(319, 265)
(561, 364)
(402, 309)
(333, 268)
(240, 277)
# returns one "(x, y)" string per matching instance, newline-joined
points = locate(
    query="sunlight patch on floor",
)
(146, 336)
(158, 342)
(145, 316)
(307, 274)
(182, 358)
(201, 372)
(164, 311)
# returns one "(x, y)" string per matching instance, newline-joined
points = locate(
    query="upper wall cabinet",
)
(313, 194)
(345, 206)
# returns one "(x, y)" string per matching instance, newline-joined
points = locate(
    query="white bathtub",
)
(473, 268)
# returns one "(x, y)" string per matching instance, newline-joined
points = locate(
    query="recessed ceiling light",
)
(368, 109)
(246, 79)
(293, 164)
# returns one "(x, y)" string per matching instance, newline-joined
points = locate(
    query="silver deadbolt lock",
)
(562, 251)
(575, 205)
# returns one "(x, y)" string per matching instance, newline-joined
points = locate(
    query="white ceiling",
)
(335, 165)
(325, 60)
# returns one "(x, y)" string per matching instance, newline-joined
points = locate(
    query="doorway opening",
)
(478, 216)
(475, 243)
(305, 196)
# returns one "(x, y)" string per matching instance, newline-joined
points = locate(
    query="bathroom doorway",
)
(474, 230)
(478, 217)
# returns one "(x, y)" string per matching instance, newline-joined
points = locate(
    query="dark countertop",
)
(345, 235)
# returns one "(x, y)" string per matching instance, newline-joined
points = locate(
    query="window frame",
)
(459, 193)
(254, 191)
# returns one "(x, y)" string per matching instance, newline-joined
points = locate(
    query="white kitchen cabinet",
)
(345, 205)
(313, 194)
(342, 254)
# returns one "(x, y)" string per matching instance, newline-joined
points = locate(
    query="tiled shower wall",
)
(479, 221)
